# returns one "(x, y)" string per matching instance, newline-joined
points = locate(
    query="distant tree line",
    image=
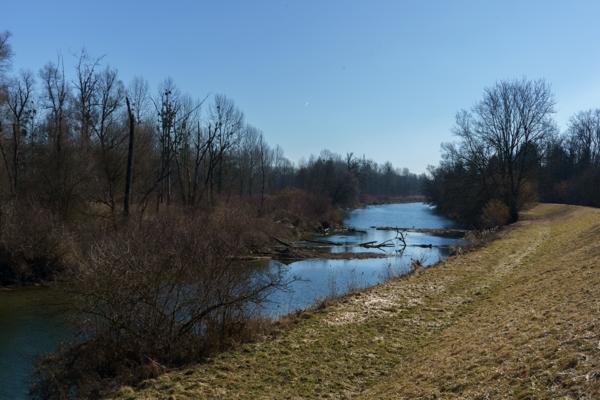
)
(510, 153)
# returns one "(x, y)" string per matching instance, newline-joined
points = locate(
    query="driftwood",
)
(302, 249)
(375, 245)
(448, 232)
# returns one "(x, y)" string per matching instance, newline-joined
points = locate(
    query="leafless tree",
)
(584, 131)
(108, 100)
(5, 58)
(86, 80)
(167, 109)
(21, 110)
(55, 97)
(224, 128)
(61, 174)
(5, 52)
(504, 128)
(139, 98)
(265, 158)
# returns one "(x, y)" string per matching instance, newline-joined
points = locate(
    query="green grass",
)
(518, 318)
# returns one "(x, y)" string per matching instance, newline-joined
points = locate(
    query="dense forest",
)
(510, 153)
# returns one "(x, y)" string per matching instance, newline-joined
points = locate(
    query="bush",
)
(302, 209)
(166, 293)
(34, 246)
(495, 213)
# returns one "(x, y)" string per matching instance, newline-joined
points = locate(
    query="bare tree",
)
(5, 58)
(584, 131)
(139, 98)
(5, 52)
(224, 128)
(21, 110)
(108, 98)
(265, 157)
(167, 108)
(247, 158)
(59, 177)
(56, 95)
(85, 84)
(504, 129)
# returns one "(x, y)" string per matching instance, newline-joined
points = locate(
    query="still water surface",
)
(31, 321)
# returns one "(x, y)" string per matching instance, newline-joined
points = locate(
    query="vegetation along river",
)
(32, 322)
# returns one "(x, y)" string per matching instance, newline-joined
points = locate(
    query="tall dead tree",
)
(130, 149)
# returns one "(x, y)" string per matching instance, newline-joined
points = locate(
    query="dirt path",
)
(519, 318)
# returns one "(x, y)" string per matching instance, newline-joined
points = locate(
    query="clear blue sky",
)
(380, 78)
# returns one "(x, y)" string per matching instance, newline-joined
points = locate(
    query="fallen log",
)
(375, 245)
(365, 244)
(448, 232)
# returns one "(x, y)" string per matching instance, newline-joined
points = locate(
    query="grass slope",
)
(518, 318)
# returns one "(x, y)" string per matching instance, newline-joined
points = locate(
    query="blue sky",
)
(380, 78)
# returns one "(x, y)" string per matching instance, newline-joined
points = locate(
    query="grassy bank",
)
(517, 318)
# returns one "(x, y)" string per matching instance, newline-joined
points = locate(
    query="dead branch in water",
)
(400, 239)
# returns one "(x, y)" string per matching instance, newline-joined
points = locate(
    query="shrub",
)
(495, 213)
(164, 293)
(34, 246)
(302, 209)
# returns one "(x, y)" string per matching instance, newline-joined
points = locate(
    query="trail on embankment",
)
(518, 318)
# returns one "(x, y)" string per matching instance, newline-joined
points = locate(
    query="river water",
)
(31, 321)
(316, 279)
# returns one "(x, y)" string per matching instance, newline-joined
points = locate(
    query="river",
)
(31, 321)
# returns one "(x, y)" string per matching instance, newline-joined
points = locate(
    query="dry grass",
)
(518, 318)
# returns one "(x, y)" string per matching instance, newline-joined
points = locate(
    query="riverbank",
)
(368, 200)
(516, 318)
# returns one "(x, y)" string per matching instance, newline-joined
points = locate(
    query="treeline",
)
(65, 142)
(570, 168)
(510, 153)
